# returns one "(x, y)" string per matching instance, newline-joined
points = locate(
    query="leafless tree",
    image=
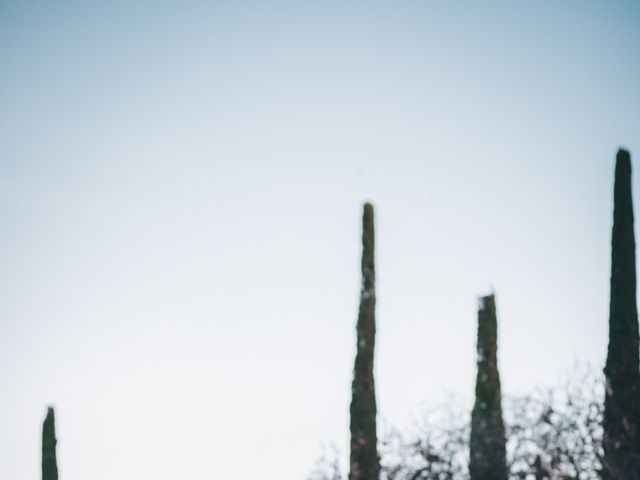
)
(556, 433)
(553, 433)
(327, 466)
(437, 448)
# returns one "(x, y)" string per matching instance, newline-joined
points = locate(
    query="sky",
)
(181, 186)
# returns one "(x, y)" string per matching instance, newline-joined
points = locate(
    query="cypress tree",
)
(49, 464)
(364, 460)
(487, 442)
(621, 416)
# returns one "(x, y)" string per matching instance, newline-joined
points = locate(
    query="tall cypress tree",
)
(364, 460)
(487, 443)
(621, 416)
(49, 464)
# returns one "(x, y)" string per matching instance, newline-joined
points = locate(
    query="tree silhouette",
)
(621, 416)
(487, 439)
(49, 464)
(364, 460)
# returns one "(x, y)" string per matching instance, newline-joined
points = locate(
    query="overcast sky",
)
(181, 186)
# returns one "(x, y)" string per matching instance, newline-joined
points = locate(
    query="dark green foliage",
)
(49, 464)
(487, 440)
(364, 460)
(621, 416)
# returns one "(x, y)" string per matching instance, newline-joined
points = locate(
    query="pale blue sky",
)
(181, 191)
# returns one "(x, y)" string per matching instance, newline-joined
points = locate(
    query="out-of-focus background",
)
(180, 196)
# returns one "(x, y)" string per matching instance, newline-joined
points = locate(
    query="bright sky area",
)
(181, 186)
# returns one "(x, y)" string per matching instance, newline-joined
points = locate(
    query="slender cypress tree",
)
(621, 416)
(364, 460)
(487, 443)
(49, 464)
